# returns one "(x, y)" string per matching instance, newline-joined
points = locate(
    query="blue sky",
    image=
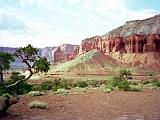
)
(54, 22)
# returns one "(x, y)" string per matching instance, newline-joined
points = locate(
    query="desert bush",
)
(61, 91)
(113, 81)
(123, 85)
(63, 84)
(146, 82)
(81, 89)
(156, 83)
(38, 104)
(126, 73)
(55, 88)
(37, 87)
(93, 83)
(22, 87)
(36, 93)
(135, 88)
(107, 90)
(80, 84)
(133, 83)
(47, 85)
(56, 85)
(150, 86)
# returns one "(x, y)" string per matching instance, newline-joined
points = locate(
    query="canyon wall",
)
(65, 52)
(131, 44)
(139, 39)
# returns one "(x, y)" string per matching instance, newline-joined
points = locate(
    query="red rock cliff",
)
(131, 44)
(65, 52)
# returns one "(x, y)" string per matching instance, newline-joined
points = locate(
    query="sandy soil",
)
(92, 105)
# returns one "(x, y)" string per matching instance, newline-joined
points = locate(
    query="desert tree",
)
(33, 64)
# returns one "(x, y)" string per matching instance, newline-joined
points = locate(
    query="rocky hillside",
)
(135, 38)
(91, 60)
(141, 27)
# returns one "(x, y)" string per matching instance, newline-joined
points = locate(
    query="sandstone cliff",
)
(135, 38)
(65, 52)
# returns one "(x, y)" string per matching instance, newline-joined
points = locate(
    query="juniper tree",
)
(34, 64)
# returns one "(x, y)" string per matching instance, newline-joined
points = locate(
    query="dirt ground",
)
(92, 105)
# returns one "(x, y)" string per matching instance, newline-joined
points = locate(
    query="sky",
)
(45, 23)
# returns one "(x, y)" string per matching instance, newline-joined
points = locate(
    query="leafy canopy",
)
(29, 55)
(5, 60)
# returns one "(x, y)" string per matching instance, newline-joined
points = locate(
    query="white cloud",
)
(77, 19)
(10, 20)
(42, 4)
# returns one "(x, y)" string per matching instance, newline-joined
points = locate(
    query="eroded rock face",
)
(134, 50)
(131, 44)
(47, 52)
(65, 52)
(58, 55)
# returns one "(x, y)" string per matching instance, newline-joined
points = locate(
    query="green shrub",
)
(134, 88)
(61, 91)
(109, 87)
(2, 90)
(81, 89)
(56, 85)
(107, 90)
(63, 84)
(133, 83)
(22, 87)
(54, 88)
(47, 85)
(36, 93)
(80, 84)
(123, 85)
(38, 104)
(146, 82)
(113, 81)
(156, 83)
(93, 83)
(37, 88)
(149, 85)
(126, 73)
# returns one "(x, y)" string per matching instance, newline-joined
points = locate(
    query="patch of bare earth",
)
(92, 105)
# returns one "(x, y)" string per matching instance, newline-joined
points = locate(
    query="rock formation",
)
(134, 37)
(47, 52)
(65, 52)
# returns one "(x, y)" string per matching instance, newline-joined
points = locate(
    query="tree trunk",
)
(1, 77)
(5, 103)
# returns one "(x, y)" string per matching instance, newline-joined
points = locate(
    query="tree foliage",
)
(5, 60)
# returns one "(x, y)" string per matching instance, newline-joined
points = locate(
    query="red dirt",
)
(92, 105)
